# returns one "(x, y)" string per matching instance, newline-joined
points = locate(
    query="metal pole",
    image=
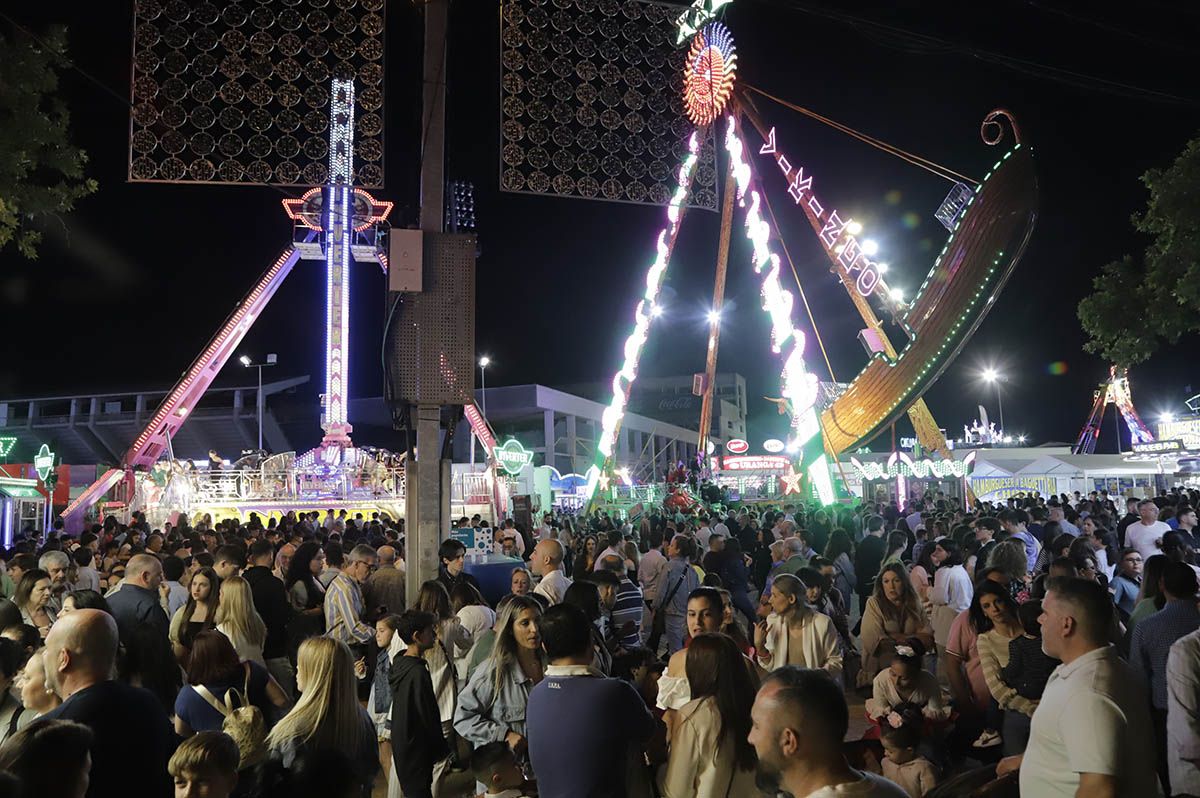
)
(260, 408)
(714, 324)
(1000, 401)
(483, 388)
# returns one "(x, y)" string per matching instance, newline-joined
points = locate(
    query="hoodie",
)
(417, 740)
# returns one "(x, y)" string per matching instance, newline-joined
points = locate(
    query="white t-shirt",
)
(553, 586)
(868, 786)
(1093, 718)
(721, 529)
(1142, 537)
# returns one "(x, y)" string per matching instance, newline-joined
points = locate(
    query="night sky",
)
(131, 285)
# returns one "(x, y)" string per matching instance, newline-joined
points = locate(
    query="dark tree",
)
(41, 172)
(1137, 304)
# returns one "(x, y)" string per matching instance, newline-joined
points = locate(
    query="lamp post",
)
(484, 362)
(270, 361)
(993, 376)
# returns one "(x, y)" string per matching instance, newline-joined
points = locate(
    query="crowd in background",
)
(1044, 646)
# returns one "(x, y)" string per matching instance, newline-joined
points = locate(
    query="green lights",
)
(6, 445)
(43, 462)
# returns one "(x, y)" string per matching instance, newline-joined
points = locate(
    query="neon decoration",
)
(643, 314)
(737, 446)
(512, 456)
(1116, 391)
(756, 463)
(169, 417)
(839, 236)
(790, 481)
(692, 19)
(43, 462)
(900, 464)
(6, 445)
(337, 263)
(307, 209)
(479, 427)
(799, 386)
(709, 74)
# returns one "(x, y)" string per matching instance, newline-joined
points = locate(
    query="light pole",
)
(484, 362)
(993, 376)
(270, 361)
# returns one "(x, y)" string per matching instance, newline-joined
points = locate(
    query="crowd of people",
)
(1047, 646)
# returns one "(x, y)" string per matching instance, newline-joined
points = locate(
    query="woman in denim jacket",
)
(492, 706)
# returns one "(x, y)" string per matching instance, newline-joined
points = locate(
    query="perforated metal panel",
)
(431, 341)
(237, 91)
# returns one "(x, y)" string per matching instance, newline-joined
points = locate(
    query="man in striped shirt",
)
(628, 610)
(344, 602)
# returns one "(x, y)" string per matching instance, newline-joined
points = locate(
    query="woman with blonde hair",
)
(492, 706)
(328, 716)
(238, 620)
(796, 634)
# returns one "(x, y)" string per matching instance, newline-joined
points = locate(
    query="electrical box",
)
(405, 260)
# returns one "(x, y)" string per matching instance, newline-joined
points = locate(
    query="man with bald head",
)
(80, 658)
(546, 562)
(797, 726)
(137, 602)
(384, 591)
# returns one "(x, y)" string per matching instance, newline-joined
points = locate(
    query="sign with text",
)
(1159, 447)
(512, 456)
(756, 463)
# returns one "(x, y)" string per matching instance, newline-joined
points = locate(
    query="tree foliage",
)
(1137, 304)
(41, 172)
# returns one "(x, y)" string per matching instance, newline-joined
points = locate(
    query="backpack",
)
(243, 721)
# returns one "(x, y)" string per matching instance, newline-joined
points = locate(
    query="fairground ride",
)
(989, 221)
(1114, 391)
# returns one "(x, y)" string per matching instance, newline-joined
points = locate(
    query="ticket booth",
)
(22, 506)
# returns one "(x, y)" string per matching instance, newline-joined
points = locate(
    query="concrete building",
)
(670, 399)
(563, 429)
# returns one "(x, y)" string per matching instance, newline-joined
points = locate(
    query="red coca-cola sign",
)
(737, 446)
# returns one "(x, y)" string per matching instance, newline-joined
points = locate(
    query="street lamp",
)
(993, 376)
(270, 361)
(484, 362)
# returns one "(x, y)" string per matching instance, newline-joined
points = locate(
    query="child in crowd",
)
(205, 764)
(1027, 672)
(904, 682)
(642, 670)
(379, 702)
(1029, 667)
(495, 767)
(915, 774)
(417, 741)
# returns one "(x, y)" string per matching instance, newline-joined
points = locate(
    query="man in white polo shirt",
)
(1145, 533)
(1091, 734)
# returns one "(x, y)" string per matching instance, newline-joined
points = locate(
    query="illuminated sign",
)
(6, 445)
(1186, 430)
(774, 445)
(737, 446)
(43, 462)
(992, 488)
(756, 463)
(901, 465)
(790, 481)
(512, 456)
(1158, 447)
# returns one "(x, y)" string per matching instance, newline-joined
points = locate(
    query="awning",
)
(21, 492)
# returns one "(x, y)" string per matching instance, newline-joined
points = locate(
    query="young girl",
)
(902, 764)
(904, 683)
(379, 702)
(1027, 672)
